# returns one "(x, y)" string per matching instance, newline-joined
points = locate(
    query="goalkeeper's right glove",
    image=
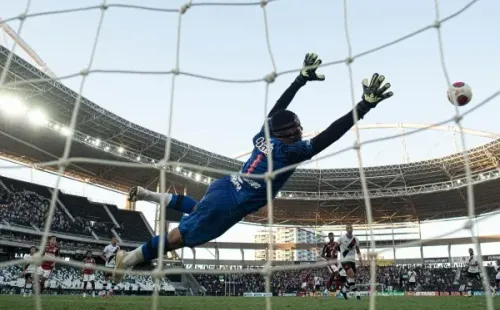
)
(374, 92)
(308, 72)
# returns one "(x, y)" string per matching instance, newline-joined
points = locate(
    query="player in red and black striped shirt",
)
(330, 252)
(47, 266)
(88, 273)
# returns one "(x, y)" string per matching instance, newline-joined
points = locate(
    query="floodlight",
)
(37, 117)
(12, 106)
(65, 131)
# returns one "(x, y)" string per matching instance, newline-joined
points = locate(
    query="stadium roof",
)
(416, 191)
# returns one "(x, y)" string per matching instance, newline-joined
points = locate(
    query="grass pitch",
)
(17, 302)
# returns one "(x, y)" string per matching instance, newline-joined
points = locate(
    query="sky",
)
(230, 42)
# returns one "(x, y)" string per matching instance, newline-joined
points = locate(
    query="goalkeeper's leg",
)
(181, 203)
(213, 216)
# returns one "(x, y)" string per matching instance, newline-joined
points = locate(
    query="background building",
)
(262, 236)
(290, 235)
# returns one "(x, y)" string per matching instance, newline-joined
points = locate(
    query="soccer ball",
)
(459, 93)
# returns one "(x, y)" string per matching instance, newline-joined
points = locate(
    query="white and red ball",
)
(459, 93)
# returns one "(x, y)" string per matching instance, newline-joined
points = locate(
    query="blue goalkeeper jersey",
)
(251, 193)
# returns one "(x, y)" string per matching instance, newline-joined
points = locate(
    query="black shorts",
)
(473, 275)
(28, 276)
(497, 281)
(412, 284)
(318, 287)
(349, 265)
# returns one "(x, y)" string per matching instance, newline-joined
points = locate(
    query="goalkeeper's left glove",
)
(374, 92)
(308, 72)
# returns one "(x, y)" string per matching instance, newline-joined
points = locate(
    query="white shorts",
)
(342, 273)
(88, 277)
(44, 273)
(333, 268)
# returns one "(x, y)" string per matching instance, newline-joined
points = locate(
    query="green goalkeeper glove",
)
(374, 92)
(308, 72)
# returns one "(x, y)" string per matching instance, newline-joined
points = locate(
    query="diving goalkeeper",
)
(229, 199)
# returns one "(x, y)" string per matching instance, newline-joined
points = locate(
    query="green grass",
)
(17, 302)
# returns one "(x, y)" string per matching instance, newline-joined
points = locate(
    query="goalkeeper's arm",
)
(287, 97)
(373, 93)
(334, 132)
(308, 73)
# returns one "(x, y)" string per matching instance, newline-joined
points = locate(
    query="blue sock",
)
(150, 249)
(181, 203)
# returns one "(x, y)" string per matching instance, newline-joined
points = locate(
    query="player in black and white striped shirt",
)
(412, 280)
(473, 273)
(349, 247)
(29, 273)
(497, 276)
(109, 256)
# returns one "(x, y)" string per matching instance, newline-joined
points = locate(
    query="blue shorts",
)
(215, 213)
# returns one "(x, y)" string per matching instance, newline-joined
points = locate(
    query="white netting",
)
(268, 79)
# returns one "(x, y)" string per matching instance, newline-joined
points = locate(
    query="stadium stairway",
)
(132, 224)
(94, 214)
(193, 285)
(61, 205)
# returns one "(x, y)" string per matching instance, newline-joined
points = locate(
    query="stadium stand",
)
(440, 279)
(131, 224)
(92, 214)
(69, 280)
(430, 279)
(25, 204)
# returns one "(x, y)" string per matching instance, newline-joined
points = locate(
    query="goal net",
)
(265, 79)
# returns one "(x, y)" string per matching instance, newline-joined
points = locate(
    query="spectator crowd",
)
(68, 280)
(389, 278)
(21, 207)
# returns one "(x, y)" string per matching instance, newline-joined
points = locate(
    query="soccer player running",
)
(109, 257)
(46, 268)
(412, 280)
(330, 252)
(88, 273)
(349, 247)
(29, 270)
(473, 274)
(497, 276)
(229, 199)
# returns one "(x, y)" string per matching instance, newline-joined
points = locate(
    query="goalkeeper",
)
(229, 199)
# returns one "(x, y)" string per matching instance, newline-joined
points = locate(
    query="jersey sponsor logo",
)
(252, 183)
(261, 145)
(237, 181)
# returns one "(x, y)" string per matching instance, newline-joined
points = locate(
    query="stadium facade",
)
(417, 191)
(407, 193)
